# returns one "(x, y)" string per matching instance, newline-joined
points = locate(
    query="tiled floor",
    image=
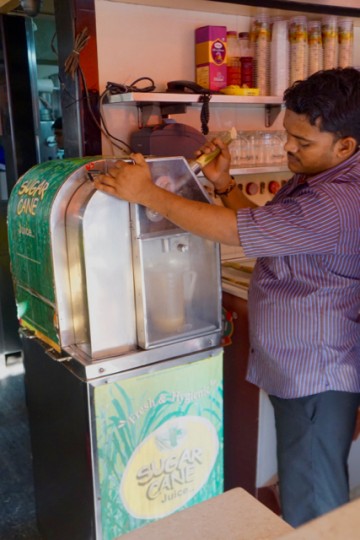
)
(17, 508)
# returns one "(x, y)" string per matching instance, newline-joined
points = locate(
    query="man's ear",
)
(346, 146)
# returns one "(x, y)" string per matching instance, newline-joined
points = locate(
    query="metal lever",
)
(95, 172)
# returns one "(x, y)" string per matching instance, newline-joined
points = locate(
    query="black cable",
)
(71, 67)
(205, 113)
(116, 88)
(102, 127)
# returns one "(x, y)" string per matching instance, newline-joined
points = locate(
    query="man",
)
(59, 136)
(304, 297)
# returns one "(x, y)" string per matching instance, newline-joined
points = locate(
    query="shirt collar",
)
(329, 174)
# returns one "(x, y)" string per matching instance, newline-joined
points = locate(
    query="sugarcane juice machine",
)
(120, 312)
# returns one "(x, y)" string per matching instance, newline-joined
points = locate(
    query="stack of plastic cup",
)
(329, 29)
(298, 49)
(346, 43)
(261, 36)
(279, 58)
(315, 47)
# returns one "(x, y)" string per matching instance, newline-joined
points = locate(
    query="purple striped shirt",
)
(304, 297)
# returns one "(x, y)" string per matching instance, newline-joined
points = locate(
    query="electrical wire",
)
(102, 126)
(116, 88)
(71, 64)
(205, 113)
(71, 67)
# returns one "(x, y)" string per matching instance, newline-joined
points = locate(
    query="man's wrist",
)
(223, 180)
(226, 188)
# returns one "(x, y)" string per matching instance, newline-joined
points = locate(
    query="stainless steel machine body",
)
(130, 307)
(104, 280)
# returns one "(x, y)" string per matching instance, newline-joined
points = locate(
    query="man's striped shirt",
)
(304, 296)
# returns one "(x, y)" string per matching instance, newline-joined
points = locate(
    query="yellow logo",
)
(169, 467)
(30, 193)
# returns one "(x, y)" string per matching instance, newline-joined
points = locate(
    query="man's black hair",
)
(331, 97)
(57, 123)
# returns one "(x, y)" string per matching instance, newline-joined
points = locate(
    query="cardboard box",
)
(210, 57)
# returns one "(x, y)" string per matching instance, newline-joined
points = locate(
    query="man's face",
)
(59, 138)
(309, 150)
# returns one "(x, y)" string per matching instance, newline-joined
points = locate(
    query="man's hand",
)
(129, 181)
(217, 171)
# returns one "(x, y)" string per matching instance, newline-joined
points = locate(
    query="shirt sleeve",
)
(307, 223)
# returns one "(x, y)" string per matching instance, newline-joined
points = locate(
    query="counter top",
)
(236, 275)
(235, 515)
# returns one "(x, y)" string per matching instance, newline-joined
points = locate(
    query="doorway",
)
(44, 42)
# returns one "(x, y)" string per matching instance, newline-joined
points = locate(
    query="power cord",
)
(71, 67)
(116, 88)
(205, 113)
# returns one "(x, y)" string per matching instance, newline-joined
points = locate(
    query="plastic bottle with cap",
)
(233, 58)
(246, 60)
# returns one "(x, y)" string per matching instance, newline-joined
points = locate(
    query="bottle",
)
(246, 47)
(247, 71)
(246, 61)
(233, 59)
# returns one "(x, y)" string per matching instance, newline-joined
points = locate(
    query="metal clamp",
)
(26, 333)
(54, 355)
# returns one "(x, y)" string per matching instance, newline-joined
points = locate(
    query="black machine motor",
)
(168, 139)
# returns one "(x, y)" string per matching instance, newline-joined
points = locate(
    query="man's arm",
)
(133, 183)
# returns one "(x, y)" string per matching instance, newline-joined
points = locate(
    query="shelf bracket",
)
(271, 114)
(172, 108)
(146, 110)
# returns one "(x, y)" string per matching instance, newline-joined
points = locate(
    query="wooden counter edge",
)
(234, 515)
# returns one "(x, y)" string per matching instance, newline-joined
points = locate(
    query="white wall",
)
(136, 41)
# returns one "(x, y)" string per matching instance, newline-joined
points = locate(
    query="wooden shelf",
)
(144, 100)
(249, 8)
(139, 98)
(258, 169)
(255, 169)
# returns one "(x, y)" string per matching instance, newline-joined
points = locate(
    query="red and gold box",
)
(210, 57)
